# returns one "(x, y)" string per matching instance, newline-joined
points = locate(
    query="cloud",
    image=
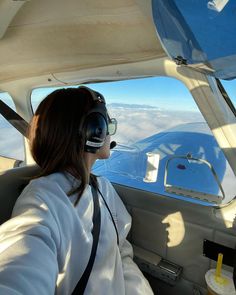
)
(134, 124)
(139, 123)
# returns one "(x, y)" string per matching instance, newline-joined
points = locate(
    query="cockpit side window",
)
(230, 88)
(11, 141)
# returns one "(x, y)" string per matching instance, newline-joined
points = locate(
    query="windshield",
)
(160, 123)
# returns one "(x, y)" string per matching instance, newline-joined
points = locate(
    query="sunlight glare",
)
(175, 228)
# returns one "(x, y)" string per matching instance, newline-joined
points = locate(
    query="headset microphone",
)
(112, 145)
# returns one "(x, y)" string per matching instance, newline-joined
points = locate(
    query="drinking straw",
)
(219, 265)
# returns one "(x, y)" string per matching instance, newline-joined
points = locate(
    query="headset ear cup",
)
(95, 132)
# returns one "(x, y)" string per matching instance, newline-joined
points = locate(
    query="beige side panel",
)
(148, 231)
(189, 252)
(172, 238)
(176, 230)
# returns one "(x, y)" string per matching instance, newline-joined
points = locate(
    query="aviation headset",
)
(96, 124)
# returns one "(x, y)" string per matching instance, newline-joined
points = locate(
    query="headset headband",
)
(95, 95)
(99, 99)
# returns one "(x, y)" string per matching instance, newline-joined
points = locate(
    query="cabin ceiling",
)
(53, 36)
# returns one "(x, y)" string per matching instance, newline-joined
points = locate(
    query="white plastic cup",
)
(221, 286)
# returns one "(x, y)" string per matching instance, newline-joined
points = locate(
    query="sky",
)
(160, 92)
(149, 91)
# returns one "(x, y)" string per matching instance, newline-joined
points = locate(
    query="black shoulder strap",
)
(13, 118)
(81, 285)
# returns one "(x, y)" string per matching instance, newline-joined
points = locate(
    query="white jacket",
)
(47, 244)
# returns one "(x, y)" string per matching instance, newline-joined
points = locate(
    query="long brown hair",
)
(55, 141)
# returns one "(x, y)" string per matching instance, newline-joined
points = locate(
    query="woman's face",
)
(104, 151)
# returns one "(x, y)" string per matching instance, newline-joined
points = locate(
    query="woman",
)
(55, 243)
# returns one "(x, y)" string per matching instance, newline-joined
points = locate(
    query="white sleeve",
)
(135, 282)
(28, 249)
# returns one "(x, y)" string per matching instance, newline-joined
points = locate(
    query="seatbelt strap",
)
(13, 118)
(112, 218)
(81, 285)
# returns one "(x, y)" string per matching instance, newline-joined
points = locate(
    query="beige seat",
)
(12, 182)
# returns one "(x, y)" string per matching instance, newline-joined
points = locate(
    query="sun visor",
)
(199, 33)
